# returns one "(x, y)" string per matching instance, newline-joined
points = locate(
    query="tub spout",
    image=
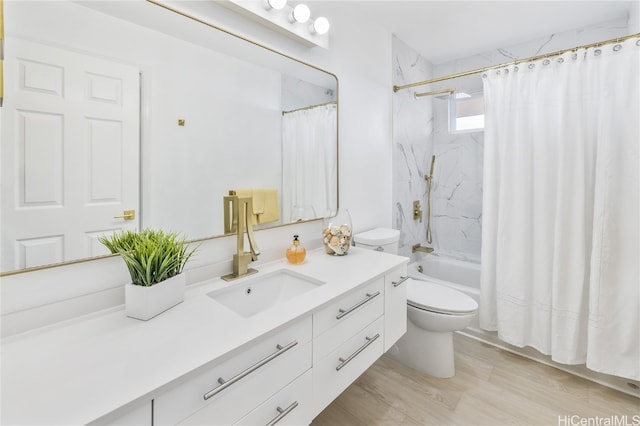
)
(418, 248)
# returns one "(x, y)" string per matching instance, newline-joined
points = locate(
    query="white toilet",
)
(434, 312)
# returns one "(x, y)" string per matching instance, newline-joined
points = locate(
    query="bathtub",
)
(460, 275)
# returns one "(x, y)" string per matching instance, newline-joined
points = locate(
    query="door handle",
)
(127, 215)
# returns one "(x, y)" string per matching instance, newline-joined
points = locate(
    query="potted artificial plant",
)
(155, 260)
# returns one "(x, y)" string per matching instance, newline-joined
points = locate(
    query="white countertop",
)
(81, 370)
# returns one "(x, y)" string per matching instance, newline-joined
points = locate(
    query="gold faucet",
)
(237, 218)
(418, 247)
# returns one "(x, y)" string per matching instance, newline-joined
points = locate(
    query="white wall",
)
(362, 61)
(634, 18)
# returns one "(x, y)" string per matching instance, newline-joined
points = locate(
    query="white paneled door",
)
(70, 153)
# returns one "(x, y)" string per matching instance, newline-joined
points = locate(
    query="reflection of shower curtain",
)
(560, 209)
(309, 168)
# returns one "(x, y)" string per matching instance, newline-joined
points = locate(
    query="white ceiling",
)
(446, 30)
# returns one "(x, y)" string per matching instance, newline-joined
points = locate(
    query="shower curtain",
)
(309, 167)
(560, 221)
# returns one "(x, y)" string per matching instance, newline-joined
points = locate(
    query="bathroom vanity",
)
(231, 353)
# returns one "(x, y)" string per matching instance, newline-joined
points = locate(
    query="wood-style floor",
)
(491, 387)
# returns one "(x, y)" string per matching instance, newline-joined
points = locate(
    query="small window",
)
(466, 113)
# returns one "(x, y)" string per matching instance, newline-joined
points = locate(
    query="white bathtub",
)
(460, 275)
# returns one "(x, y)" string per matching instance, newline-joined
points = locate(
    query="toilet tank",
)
(379, 239)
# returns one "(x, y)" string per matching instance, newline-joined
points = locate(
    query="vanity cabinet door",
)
(252, 376)
(334, 373)
(395, 306)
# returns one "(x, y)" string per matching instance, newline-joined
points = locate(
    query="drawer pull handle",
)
(283, 413)
(342, 312)
(226, 383)
(397, 283)
(344, 362)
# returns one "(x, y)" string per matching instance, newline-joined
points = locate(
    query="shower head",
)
(438, 94)
(430, 176)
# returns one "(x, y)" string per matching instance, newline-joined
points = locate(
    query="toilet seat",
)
(437, 298)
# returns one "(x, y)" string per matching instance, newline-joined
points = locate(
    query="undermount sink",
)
(262, 292)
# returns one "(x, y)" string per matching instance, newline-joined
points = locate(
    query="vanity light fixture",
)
(320, 26)
(285, 17)
(300, 13)
(276, 4)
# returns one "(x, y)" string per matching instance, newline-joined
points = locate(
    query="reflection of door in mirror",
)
(72, 161)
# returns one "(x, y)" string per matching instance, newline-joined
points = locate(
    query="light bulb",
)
(320, 26)
(276, 4)
(300, 13)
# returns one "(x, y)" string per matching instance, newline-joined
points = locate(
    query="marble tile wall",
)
(457, 188)
(412, 144)
(420, 129)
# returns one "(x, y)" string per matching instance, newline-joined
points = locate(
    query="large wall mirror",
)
(129, 115)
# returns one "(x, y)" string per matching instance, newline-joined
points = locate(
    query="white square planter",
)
(146, 302)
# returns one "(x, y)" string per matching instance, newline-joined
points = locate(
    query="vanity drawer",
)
(337, 322)
(348, 306)
(252, 376)
(293, 405)
(395, 306)
(334, 373)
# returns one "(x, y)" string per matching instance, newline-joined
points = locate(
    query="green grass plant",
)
(152, 256)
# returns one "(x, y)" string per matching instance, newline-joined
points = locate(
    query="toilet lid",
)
(377, 237)
(438, 298)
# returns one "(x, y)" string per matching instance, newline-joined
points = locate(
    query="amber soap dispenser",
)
(296, 253)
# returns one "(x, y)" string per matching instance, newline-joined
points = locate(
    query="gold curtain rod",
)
(450, 90)
(309, 107)
(518, 61)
